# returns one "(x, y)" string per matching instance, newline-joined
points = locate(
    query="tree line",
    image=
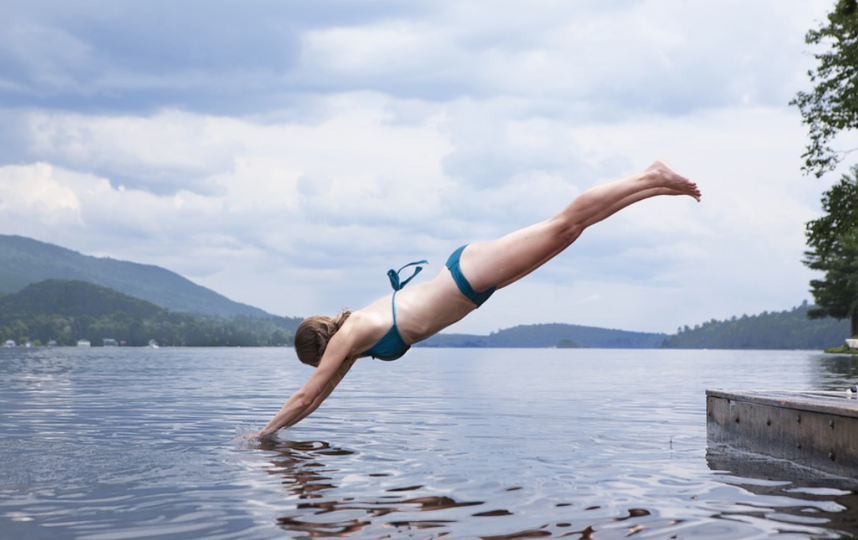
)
(788, 329)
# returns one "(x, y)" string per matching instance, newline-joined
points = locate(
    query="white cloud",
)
(166, 152)
(611, 57)
(30, 196)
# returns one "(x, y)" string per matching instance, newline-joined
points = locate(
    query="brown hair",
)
(313, 335)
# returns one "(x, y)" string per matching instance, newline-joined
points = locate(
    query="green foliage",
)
(784, 330)
(840, 204)
(832, 105)
(66, 311)
(833, 248)
(837, 294)
(841, 350)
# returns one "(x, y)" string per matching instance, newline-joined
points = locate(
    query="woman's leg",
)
(506, 260)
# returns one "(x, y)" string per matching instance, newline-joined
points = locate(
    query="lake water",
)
(120, 443)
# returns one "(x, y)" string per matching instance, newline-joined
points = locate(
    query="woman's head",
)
(313, 335)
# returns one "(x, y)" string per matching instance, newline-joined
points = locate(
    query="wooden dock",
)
(818, 430)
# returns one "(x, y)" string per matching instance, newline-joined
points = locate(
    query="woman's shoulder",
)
(366, 318)
(363, 327)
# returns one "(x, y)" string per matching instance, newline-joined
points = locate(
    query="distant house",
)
(9, 343)
(108, 342)
(83, 343)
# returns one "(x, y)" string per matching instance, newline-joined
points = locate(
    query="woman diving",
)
(386, 328)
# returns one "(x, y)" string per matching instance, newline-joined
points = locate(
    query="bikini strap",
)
(393, 275)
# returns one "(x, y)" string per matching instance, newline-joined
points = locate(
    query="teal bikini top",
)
(391, 346)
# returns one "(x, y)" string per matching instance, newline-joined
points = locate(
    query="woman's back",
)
(422, 310)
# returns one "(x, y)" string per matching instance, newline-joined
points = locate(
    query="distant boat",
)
(83, 343)
(9, 343)
(153, 344)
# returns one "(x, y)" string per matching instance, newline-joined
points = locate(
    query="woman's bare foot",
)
(675, 183)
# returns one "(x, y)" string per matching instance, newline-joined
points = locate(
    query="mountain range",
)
(24, 261)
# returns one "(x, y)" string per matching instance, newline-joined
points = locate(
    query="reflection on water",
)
(104, 444)
(795, 494)
(307, 479)
(318, 512)
(835, 372)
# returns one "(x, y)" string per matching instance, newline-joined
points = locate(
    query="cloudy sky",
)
(287, 153)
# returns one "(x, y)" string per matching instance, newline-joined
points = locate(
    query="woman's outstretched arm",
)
(327, 390)
(331, 370)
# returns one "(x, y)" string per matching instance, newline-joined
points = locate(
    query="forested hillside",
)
(24, 261)
(552, 335)
(74, 299)
(67, 311)
(789, 329)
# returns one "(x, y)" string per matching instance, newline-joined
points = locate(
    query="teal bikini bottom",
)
(477, 298)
